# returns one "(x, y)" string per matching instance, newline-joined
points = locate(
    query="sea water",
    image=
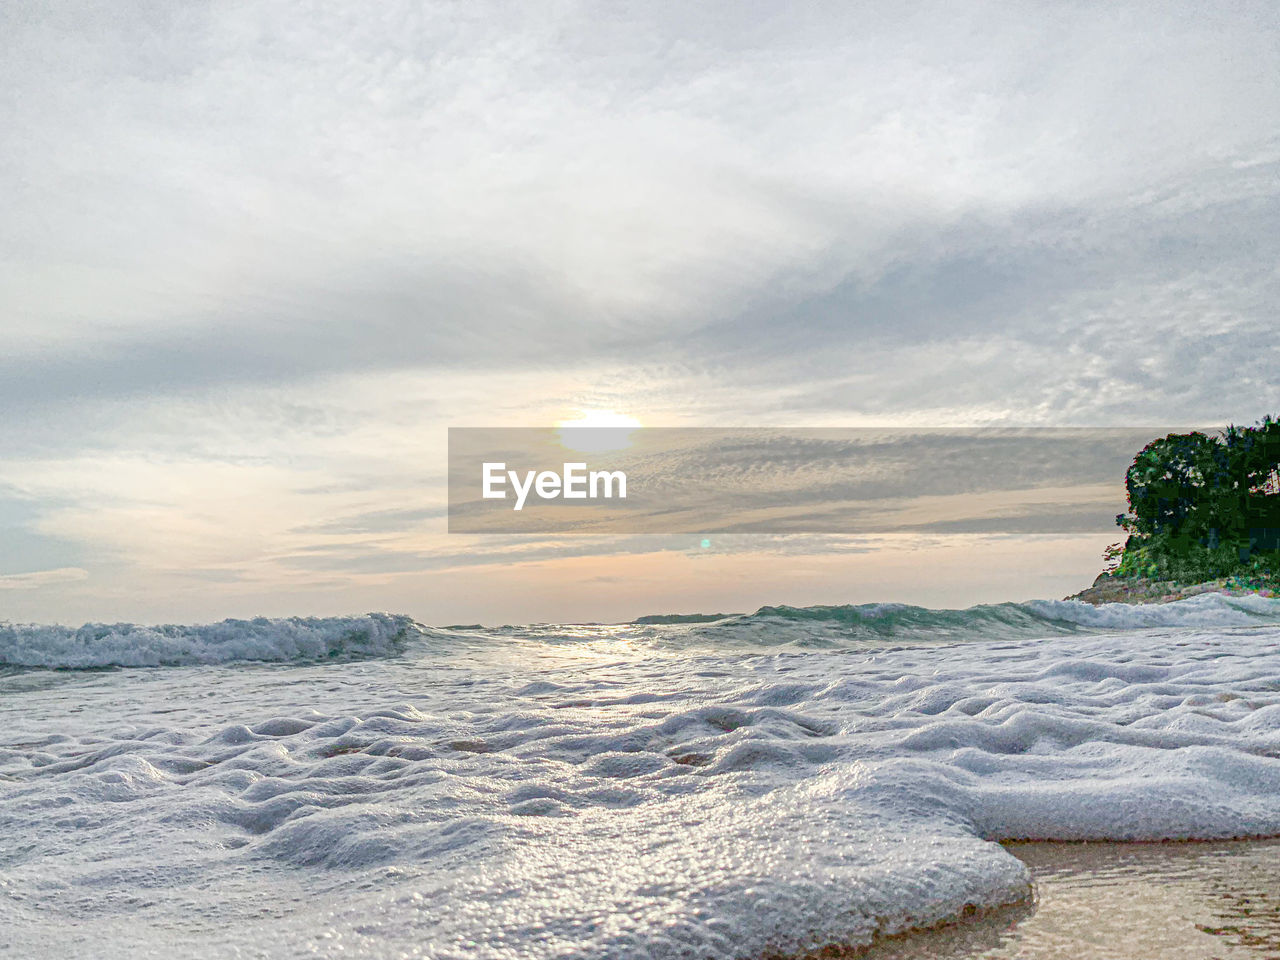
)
(764, 784)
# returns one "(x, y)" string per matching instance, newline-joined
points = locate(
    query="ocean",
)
(758, 785)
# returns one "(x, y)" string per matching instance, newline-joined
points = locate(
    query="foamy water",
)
(371, 787)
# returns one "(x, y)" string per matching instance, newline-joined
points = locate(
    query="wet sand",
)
(1122, 901)
(1117, 901)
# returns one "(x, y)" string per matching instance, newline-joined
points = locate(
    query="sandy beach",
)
(1127, 901)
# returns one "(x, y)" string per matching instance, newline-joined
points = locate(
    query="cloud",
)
(241, 193)
(256, 257)
(42, 578)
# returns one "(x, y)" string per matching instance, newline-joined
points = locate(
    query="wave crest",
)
(900, 622)
(280, 640)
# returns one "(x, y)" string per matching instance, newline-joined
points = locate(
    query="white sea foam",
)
(1206, 609)
(618, 791)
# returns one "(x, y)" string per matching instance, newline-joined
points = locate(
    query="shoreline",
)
(1176, 899)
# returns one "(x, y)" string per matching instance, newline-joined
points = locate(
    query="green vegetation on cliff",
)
(1204, 507)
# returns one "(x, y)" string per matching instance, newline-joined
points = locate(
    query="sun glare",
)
(597, 431)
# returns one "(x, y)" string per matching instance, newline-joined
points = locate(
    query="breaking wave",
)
(879, 623)
(286, 639)
(305, 640)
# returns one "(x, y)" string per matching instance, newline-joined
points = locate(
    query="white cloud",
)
(42, 578)
(256, 257)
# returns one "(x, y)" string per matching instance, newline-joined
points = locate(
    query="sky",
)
(256, 258)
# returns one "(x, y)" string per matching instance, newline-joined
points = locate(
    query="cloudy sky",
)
(256, 258)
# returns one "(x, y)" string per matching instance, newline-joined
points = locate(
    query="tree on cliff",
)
(1205, 506)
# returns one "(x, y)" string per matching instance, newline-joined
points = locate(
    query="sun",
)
(597, 431)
